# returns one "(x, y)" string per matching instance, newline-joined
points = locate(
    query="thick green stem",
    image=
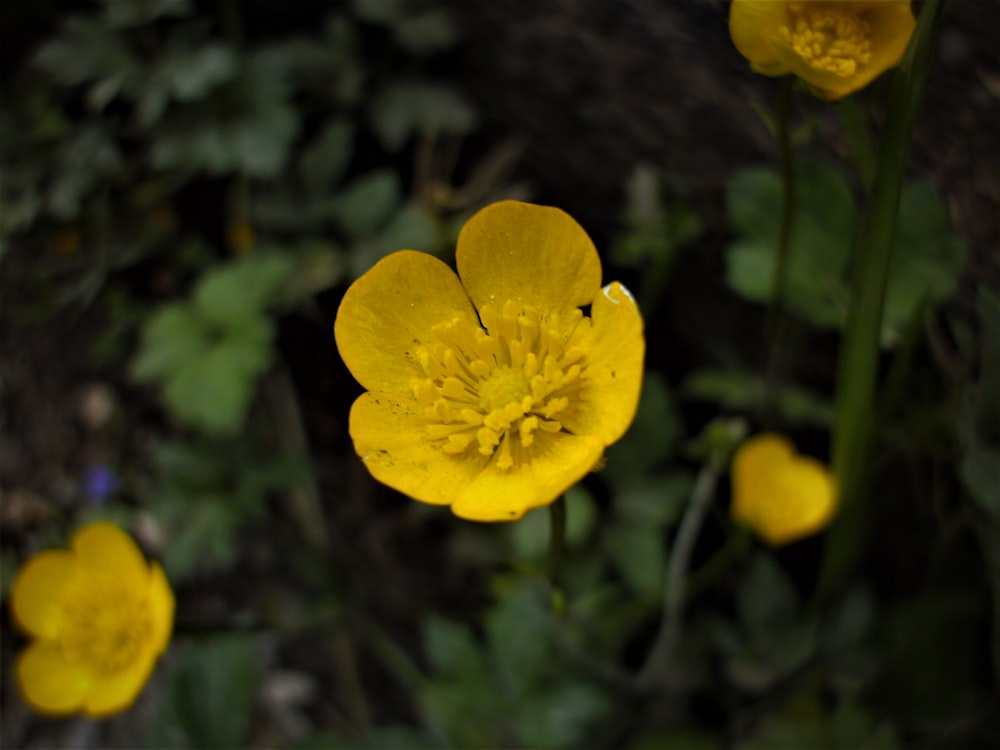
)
(858, 368)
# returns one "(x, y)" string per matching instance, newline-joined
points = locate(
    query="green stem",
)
(858, 367)
(557, 538)
(657, 663)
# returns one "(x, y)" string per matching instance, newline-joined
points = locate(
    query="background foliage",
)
(186, 190)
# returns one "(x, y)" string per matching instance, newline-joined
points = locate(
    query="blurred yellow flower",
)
(836, 46)
(491, 391)
(100, 616)
(779, 495)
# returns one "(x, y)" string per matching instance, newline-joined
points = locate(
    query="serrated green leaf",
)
(232, 295)
(171, 338)
(213, 391)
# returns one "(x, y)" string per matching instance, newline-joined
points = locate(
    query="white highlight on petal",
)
(607, 292)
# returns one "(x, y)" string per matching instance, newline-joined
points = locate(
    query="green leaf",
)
(231, 295)
(562, 717)
(172, 337)
(427, 33)
(368, 202)
(927, 258)
(744, 391)
(128, 13)
(210, 694)
(205, 538)
(820, 242)
(452, 649)
(530, 535)
(519, 632)
(213, 391)
(639, 552)
(404, 109)
(381, 12)
(326, 158)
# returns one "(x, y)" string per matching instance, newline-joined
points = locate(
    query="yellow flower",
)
(779, 495)
(491, 391)
(100, 616)
(835, 46)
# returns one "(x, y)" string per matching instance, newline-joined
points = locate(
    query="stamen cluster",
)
(492, 388)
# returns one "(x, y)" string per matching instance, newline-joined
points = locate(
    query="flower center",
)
(493, 389)
(829, 37)
(105, 627)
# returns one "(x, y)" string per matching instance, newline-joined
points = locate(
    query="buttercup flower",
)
(100, 616)
(779, 495)
(491, 391)
(836, 46)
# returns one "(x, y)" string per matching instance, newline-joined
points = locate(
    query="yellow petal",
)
(103, 548)
(388, 313)
(892, 25)
(556, 463)
(49, 683)
(113, 693)
(753, 24)
(536, 255)
(390, 435)
(779, 495)
(613, 376)
(161, 608)
(38, 589)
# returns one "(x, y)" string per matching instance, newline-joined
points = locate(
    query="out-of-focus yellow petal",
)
(390, 436)
(892, 25)
(103, 548)
(389, 313)
(778, 494)
(536, 255)
(38, 591)
(753, 26)
(113, 693)
(49, 683)
(556, 463)
(614, 367)
(161, 609)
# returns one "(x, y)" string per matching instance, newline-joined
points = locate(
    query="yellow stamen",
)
(492, 389)
(829, 37)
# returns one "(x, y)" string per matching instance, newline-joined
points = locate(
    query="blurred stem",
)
(304, 497)
(775, 315)
(856, 129)
(658, 662)
(557, 538)
(859, 354)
